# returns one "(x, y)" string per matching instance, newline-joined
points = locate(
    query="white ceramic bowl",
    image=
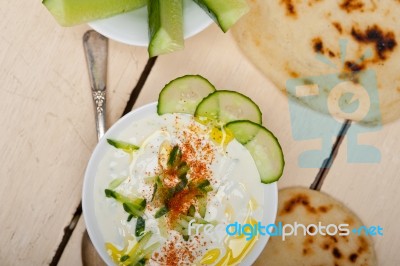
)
(88, 202)
(132, 27)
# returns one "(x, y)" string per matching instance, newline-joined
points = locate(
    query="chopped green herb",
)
(181, 185)
(161, 212)
(204, 184)
(174, 156)
(191, 211)
(130, 217)
(207, 189)
(169, 193)
(140, 226)
(158, 181)
(121, 198)
(183, 169)
(154, 191)
(124, 258)
(185, 237)
(141, 262)
(110, 193)
(141, 203)
(134, 207)
(202, 206)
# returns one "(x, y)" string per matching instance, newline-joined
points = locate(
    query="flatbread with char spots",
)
(349, 48)
(305, 206)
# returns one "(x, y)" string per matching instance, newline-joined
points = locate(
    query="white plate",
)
(132, 27)
(88, 203)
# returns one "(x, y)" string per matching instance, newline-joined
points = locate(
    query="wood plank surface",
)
(46, 114)
(371, 190)
(72, 254)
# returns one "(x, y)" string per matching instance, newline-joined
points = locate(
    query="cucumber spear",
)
(165, 26)
(224, 13)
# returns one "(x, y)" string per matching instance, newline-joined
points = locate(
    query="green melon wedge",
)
(165, 26)
(224, 12)
(73, 12)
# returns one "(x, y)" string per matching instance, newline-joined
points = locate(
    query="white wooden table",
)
(48, 132)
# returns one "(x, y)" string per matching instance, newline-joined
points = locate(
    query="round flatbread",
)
(338, 57)
(306, 207)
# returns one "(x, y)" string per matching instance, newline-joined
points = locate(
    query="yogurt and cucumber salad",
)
(172, 178)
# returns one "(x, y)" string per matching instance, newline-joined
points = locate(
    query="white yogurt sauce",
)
(235, 181)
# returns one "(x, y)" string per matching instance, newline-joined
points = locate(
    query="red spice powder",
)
(172, 254)
(180, 203)
(194, 146)
(176, 252)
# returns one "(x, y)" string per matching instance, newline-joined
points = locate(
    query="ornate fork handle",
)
(99, 98)
(96, 51)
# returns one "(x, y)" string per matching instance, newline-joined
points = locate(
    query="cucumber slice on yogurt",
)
(73, 12)
(226, 106)
(182, 95)
(263, 147)
(165, 26)
(122, 145)
(224, 12)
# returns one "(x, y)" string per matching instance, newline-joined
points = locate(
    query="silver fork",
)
(96, 51)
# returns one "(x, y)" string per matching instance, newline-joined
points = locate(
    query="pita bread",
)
(357, 41)
(307, 206)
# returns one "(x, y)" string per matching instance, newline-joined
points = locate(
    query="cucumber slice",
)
(137, 255)
(202, 206)
(116, 182)
(224, 13)
(205, 186)
(182, 95)
(263, 147)
(165, 26)
(226, 106)
(122, 145)
(139, 252)
(174, 157)
(132, 209)
(183, 169)
(73, 12)
(191, 211)
(139, 202)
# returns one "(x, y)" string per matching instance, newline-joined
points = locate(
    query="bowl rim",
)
(198, 22)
